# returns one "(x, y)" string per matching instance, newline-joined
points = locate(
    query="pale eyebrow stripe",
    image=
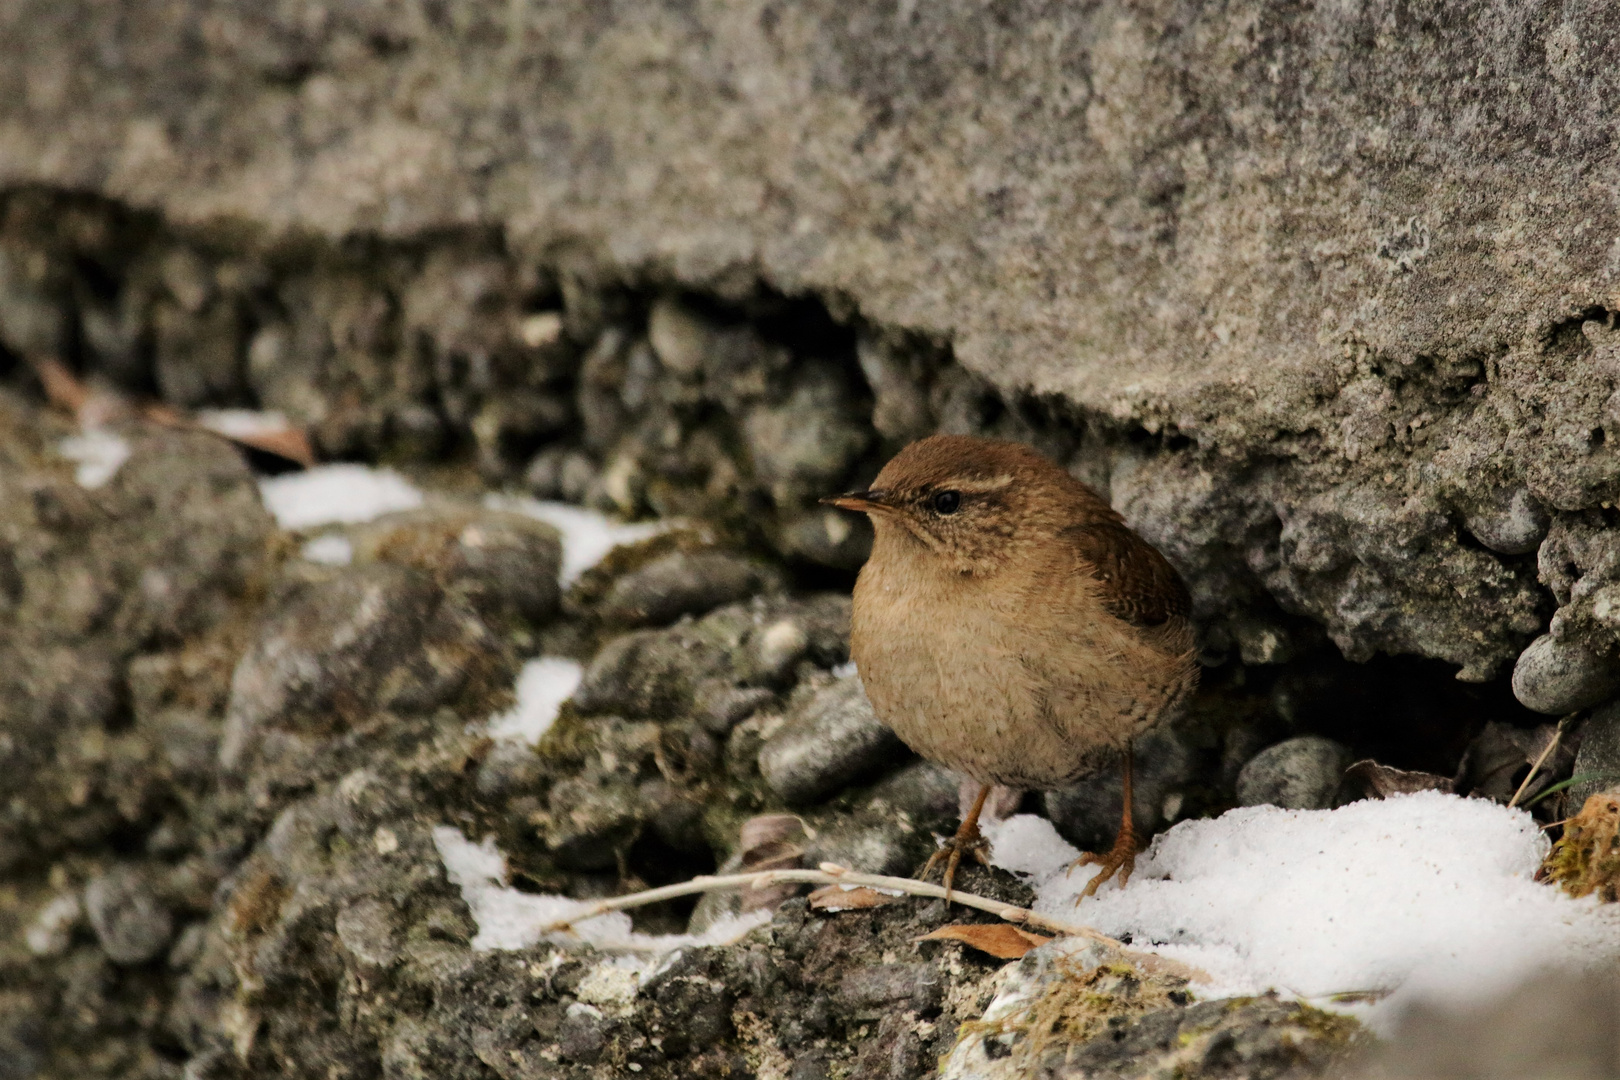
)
(994, 483)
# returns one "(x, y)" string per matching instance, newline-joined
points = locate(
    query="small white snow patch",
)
(509, 919)
(336, 494)
(242, 423)
(99, 453)
(542, 686)
(329, 549)
(51, 932)
(1424, 896)
(587, 536)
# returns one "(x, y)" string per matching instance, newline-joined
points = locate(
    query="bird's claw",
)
(951, 851)
(1120, 860)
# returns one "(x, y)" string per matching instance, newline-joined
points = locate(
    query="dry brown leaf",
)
(838, 898)
(289, 442)
(1382, 781)
(1001, 940)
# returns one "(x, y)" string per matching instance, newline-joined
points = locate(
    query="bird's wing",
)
(1139, 586)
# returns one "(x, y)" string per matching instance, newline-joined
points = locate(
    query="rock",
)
(378, 636)
(883, 987)
(680, 337)
(1557, 677)
(831, 740)
(1599, 757)
(685, 583)
(1302, 773)
(1087, 813)
(131, 924)
(665, 673)
(502, 564)
(1513, 524)
(591, 822)
(808, 441)
(1123, 1022)
(1555, 1024)
(923, 794)
(558, 472)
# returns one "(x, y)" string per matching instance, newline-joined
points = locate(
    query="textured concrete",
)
(1142, 206)
(1337, 282)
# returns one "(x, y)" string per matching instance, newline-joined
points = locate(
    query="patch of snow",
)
(329, 549)
(99, 453)
(542, 686)
(336, 494)
(509, 919)
(241, 423)
(587, 536)
(1423, 896)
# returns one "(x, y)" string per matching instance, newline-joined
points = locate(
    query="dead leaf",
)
(1382, 781)
(838, 898)
(1001, 940)
(290, 443)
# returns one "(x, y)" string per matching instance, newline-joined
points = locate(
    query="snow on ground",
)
(242, 423)
(329, 549)
(587, 536)
(1420, 896)
(99, 453)
(542, 686)
(336, 494)
(510, 919)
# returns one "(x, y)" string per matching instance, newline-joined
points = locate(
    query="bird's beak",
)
(866, 502)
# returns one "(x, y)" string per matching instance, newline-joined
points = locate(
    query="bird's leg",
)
(1121, 858)
(968, 840)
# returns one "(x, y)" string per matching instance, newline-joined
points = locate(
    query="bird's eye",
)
(946, 502)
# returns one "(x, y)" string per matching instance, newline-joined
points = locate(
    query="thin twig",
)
(829, 874)
(1546, 752)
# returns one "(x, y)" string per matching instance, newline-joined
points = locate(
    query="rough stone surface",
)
(1322, 300)
(685, 583)
(1230, 249)
(1553, 676)
(831, 738)
(130, 922)
(1297, 774)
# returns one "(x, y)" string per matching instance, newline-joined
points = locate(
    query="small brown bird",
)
(1011, 627)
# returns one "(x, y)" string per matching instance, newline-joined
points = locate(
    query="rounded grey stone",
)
(1513, 525)
(130, 922)
(1303, 773)
(684, 583)
(1556, 677)
(829, 742)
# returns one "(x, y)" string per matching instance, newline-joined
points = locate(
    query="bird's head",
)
(970, 502)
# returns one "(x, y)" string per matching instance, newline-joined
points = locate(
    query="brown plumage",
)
(1010, 626)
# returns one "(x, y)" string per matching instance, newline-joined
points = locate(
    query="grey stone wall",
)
(1354, 265)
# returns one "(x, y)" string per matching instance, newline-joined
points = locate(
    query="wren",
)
(1010, 626)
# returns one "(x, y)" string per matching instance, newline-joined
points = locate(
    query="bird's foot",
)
(1120, 859)
(967, 841)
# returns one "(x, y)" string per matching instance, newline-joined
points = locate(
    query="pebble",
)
(680, 338)
(828, 742)
(502, 563)
(560, 473)
(1512, 526)
(1302, 773)
(1557, 677)
(685, 583)
(130, 922)
(1087, 813)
